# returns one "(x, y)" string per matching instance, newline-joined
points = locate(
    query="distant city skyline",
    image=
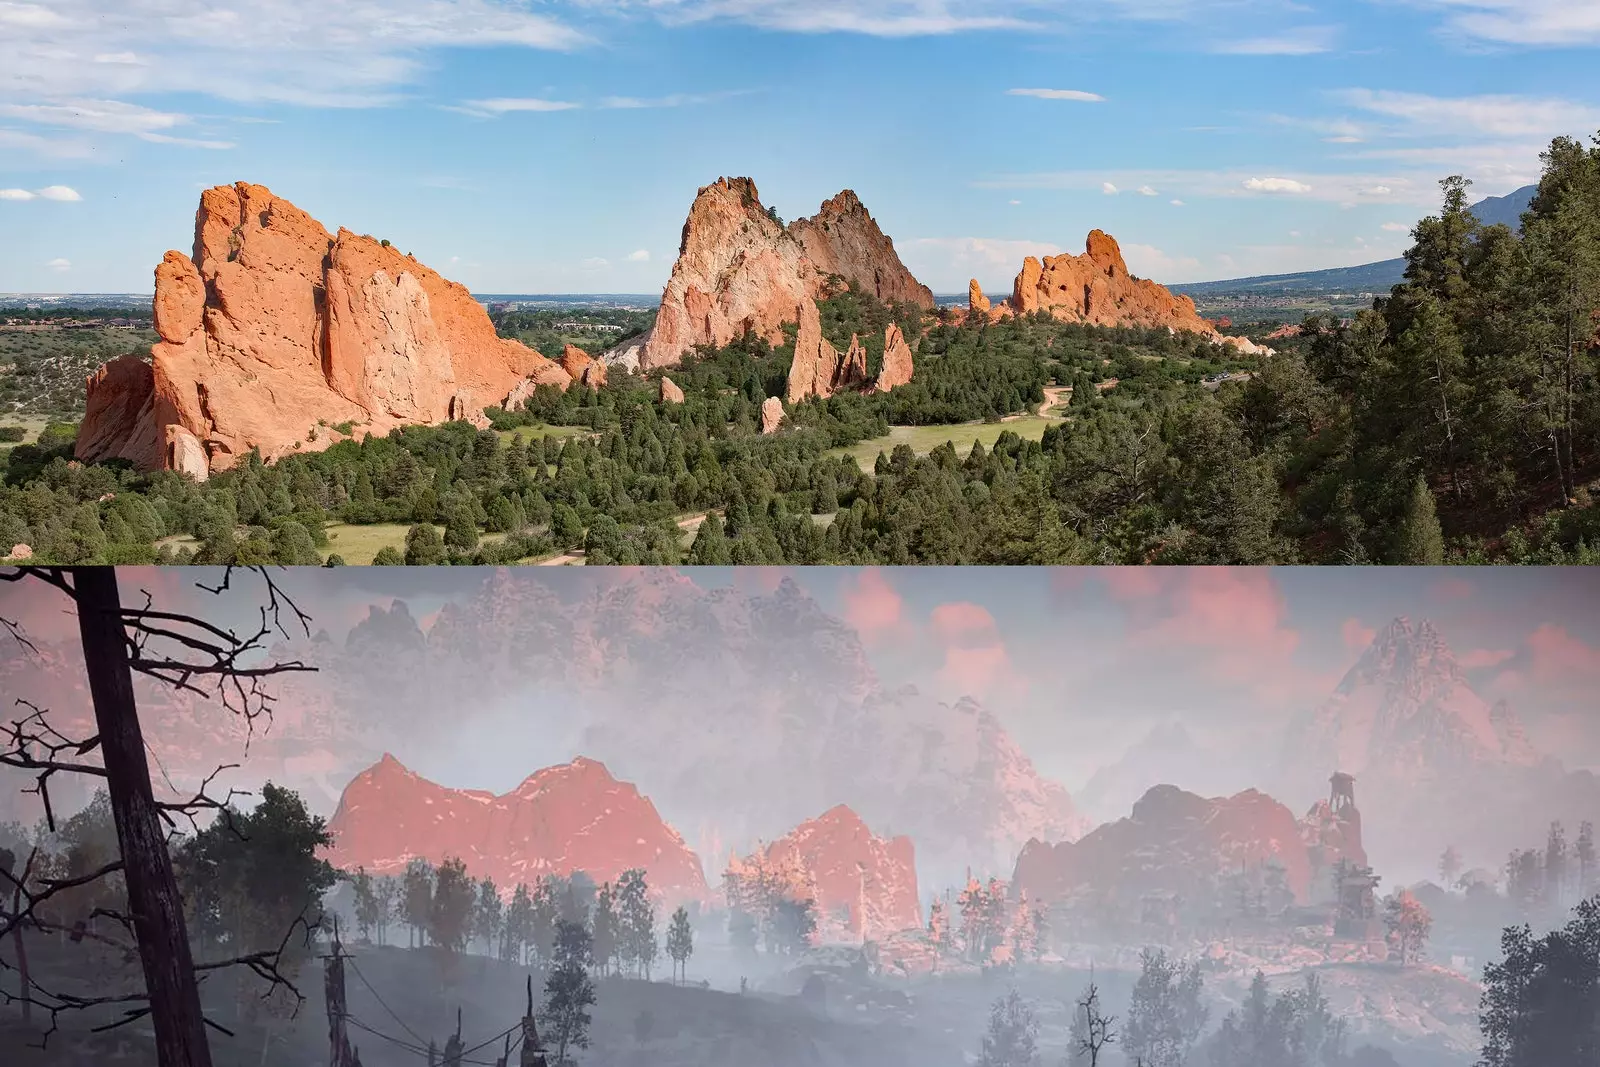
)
(556, 147)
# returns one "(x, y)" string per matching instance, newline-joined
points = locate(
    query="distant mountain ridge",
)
(1366, 277)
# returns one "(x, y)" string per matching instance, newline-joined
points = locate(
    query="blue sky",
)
(555, 146)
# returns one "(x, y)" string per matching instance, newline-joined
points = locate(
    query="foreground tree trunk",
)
(156, 907)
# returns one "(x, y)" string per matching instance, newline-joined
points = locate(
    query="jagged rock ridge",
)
(573, 817)
(740, 271)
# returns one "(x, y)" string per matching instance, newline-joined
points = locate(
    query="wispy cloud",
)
(1494, 115)
(505, 105)
(1399, 187)
(1557, 23)
(640, 256)
(1304, 41)
(1109, 188)
(875, 18)
(670, 100)
(59, 264)
(1059, 94)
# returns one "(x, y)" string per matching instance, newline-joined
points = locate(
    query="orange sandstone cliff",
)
(739, 270)
(272, 333)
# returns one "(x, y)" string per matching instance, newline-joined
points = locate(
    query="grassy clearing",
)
(31, 425)
(530, 432)
(924, 439)
(356, 545)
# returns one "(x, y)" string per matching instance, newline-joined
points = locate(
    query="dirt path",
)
(1053, 395)
(691, 522)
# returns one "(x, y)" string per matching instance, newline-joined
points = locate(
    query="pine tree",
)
(680, 942)
(606, 929)
(569, 994)
(1421, 540)
(1012, 1040)
(490, 915)
(416, 901)
(519, 924)
(1450, 866)
(455, 900)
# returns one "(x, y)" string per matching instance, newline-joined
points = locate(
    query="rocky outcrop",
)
(977, 303)
(771, 414)
(583, 368)
(20, 552)
(820, 370)
(670, 393)
(741, 271)
(843, 240)
(865, 887)
(567, 818)
(273, 331)
(816, 363)
(896, 369)
(1096, 288)
(1173, 843)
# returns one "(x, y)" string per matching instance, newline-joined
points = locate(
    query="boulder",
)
(670, 393)
(20, 552)
(771, 414)
(583, 368)
(273, 330)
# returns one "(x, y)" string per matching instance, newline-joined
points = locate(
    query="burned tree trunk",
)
(153, 900)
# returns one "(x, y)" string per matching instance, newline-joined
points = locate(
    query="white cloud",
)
(671, 100)
(1013, 203)
(306, 52)
(595, 263)
(1108, 188)
(1377, 190)
(1478, 116)
(1294, 233)
(503, 105)
(49, 192)
(1059, 94)
(1177, 203)
(1305, 41)
(1562, 23)
(1145, 190)
(59, 264)
(640, 256)
(1276, 185)
(1396, 227)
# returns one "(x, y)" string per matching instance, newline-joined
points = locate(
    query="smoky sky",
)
(1079, 663)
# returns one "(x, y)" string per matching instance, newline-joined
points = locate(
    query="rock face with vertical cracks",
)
(276, 336)
(739, 270)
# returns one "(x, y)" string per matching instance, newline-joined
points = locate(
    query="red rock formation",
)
(864, 886)
(273, 331)
(1283, 333)
(896, 369)
(853, 367)
(816, 362)
(739, 270)
(1330, 835)
(977, 303)
(571, 817)
(1096, 288)
(771, 414)
(1174, 842)
(20, 552)
(670, 393)
(842, 239)
(583, 368)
